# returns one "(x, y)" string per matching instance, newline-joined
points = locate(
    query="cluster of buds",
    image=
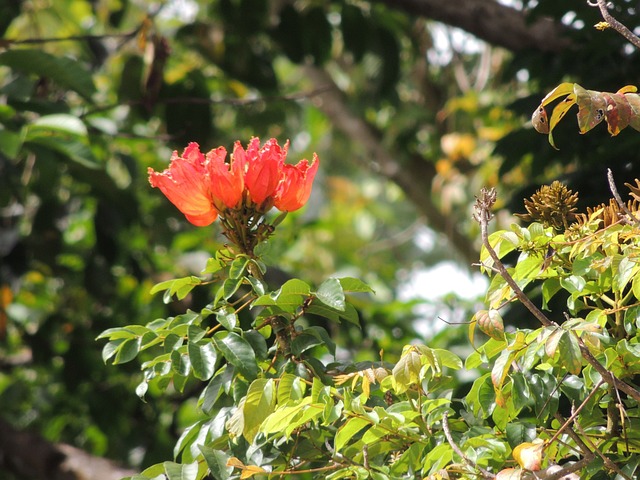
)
(240, 192)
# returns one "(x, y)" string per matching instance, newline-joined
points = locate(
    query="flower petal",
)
(225, 180)
(264, 169)
(295, 188)
(184, 184)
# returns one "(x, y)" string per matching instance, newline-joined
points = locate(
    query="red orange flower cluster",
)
(205, 186)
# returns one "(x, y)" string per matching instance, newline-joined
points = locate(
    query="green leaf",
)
(501, 368)
(322, 335)
(179, 286)
(290, 389)
(127, 351)
(330, 293)
(215, 387)
(178, 471)
(180, 361)
(573, 284)
(227, 317)
(348, 430)
(570, 354)
(238, 267)
(625, 271)
(214, 265)
(203, 359)
(354, 285)
(258, 286)
(259, 404)
(231, 286)
(110, 349)
(294, 287)
(303, 342)
(195, 333)
(407, 371)
(69, 148)
(238, 353)
(447, 358)
(279, 420)
(60, 122)
(550, 287)
(520, 432)
(66, 72)
(217, 462)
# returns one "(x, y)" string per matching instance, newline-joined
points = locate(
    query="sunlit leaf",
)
(529, 454)
(259, 403)
(330, 293)
(181, 471)
(490, 323)
(238, 352)
(348, 430)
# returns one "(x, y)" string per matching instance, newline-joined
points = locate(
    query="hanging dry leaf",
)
(619, 110)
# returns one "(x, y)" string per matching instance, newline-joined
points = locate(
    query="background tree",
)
(410, 118)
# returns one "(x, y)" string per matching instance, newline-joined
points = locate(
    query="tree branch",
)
(490, 21)
(610, 21)
(413, 175)
(30, 456)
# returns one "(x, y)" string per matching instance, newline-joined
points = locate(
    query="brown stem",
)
(483, 215)
(576, 412)
(616, 195)
(456, 448)
(607, 461)
(615, 24)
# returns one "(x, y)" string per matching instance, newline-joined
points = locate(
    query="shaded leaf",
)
(65, 72)
(217, 462)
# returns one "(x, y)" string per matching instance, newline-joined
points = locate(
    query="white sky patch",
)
(442, 279)
(432, 284)
(183, 10)
(447, 39)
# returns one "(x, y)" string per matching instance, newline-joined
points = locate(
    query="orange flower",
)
(185, 184)
(295, 186)
(202, 187)
(263, 167)
(225, 180)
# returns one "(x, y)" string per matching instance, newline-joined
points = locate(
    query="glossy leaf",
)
(238, 353)
(217, 462)
(203, 358)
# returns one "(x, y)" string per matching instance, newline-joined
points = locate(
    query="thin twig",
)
(616, 195)
(576, 412)
(615, 24)
(483, 215)
(584, 448)
(71, 38)
(574, 467)
(607, 461)
(456, 448)
(234, 102)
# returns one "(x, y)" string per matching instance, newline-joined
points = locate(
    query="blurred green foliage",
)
(94, 93)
